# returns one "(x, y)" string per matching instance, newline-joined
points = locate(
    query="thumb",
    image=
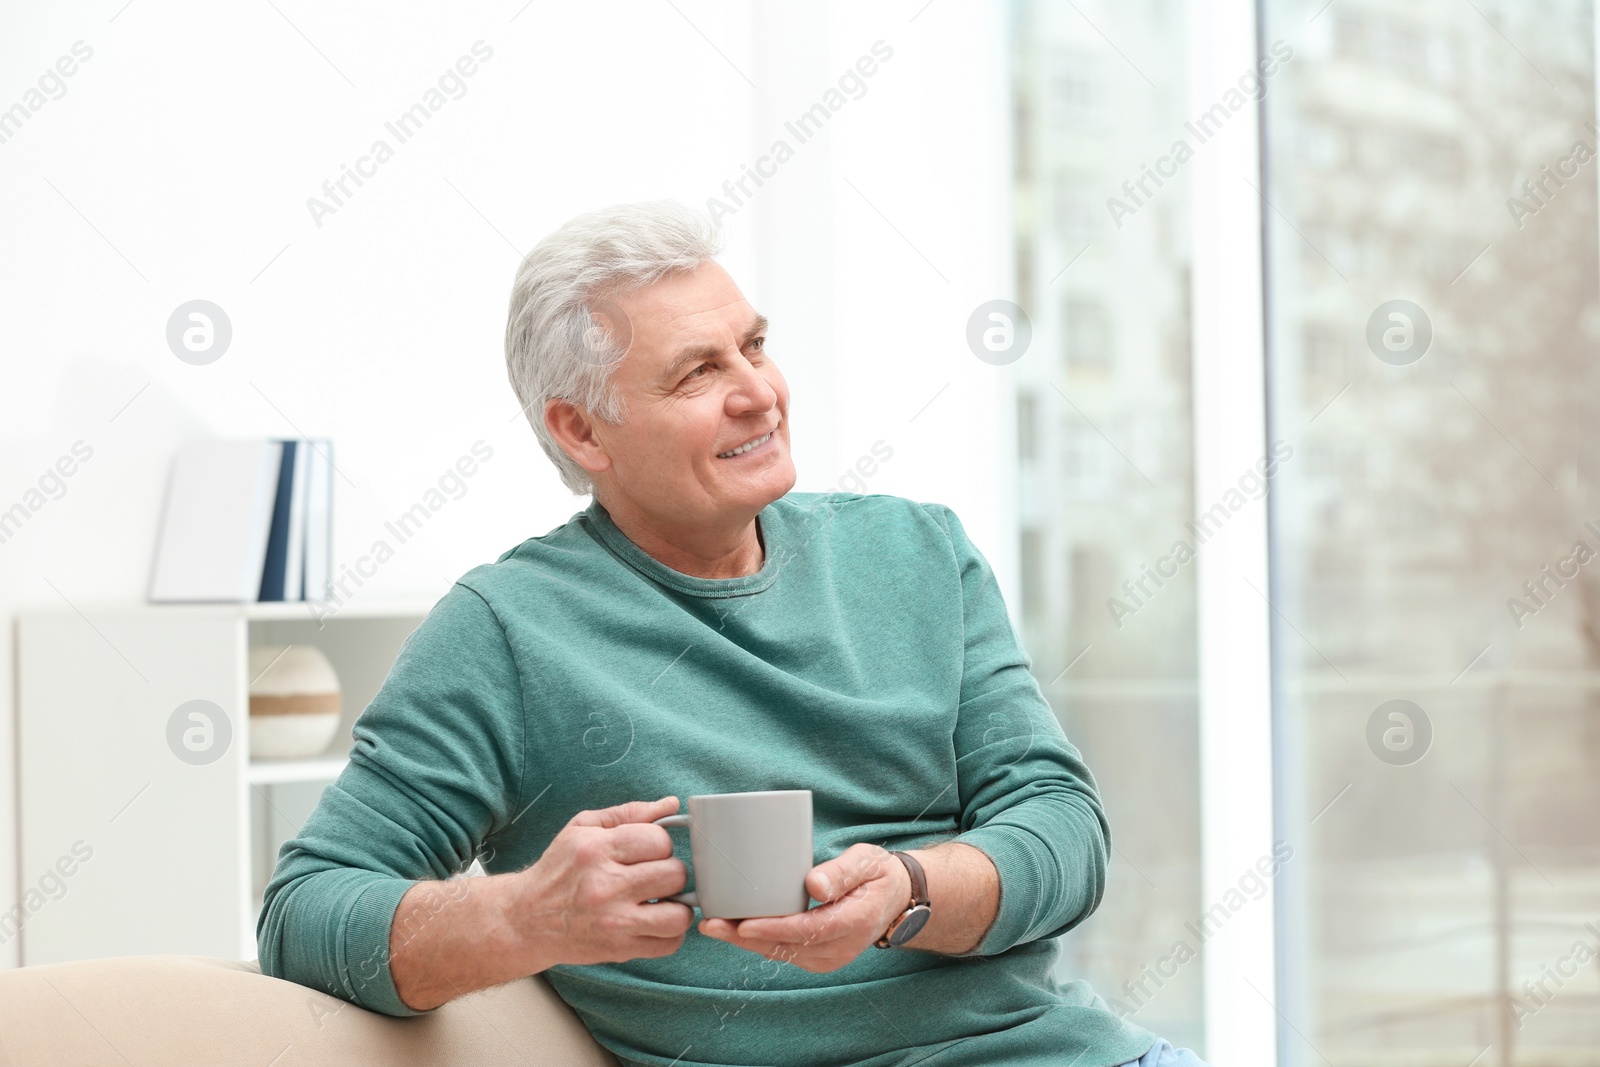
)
(633, 811)
(855, 866)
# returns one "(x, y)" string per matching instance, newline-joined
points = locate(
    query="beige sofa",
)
(192, 1010)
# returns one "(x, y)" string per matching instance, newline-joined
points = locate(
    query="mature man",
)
(701, 629)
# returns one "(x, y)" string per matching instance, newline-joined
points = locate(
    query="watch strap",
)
(919, 879)
(918, 910)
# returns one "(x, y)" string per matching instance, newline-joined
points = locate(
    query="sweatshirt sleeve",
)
(1027, 799)
(435, 771)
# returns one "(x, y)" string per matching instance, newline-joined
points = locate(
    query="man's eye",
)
(696, 372)
(759, 343)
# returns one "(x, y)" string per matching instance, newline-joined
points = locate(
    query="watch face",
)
(910, 925)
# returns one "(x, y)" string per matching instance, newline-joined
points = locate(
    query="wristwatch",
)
(910, 922)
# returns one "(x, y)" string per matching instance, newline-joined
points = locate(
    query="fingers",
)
(637, 843)
(653, 948)
(825, 923)
(623, 834)
(656, 878)
(739, 932)
(665, 920)
(857, 864)
(634, 811)
(818, 958)
(772, 950)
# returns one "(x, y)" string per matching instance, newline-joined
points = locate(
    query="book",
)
(216, 522)
(319, 521)
(294, 568)
(270, 581)
(286, 540)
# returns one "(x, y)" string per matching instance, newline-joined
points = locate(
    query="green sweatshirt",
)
(870, 660)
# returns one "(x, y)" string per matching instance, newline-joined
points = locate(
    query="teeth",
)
(747, 446)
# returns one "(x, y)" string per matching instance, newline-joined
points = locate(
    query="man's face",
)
(697, 383)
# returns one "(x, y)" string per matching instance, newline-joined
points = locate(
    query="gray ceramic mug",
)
(751, 853)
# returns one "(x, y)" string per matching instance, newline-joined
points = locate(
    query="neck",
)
(702, 550)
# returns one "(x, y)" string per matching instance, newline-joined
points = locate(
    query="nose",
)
(751, 392)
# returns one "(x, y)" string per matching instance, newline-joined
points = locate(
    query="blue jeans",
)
(1162, 1054)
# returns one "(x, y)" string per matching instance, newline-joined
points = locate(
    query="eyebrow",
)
(757, 327)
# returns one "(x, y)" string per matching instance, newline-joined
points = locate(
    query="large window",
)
(1432, 319)
(1429, 272)
(1106, 479)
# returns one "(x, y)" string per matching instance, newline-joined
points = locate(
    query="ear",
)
(574, 431)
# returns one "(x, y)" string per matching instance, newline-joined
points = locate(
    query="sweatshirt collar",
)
(600, 523)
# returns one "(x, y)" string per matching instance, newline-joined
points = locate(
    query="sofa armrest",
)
(185, 1010)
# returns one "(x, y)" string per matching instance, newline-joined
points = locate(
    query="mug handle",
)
(687, 897)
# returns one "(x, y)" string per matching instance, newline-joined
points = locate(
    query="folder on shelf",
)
(319, 520)
(246, 521)
(218, 516)
(283, 572)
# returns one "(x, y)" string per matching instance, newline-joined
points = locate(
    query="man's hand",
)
(861, 891)
(585, 900)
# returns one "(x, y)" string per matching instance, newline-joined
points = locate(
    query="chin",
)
(786, 483)
(772, 485)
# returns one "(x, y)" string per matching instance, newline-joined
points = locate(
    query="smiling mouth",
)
(748, 446)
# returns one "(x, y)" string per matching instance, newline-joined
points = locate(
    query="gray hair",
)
(553, 348)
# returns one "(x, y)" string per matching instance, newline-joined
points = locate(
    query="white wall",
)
(178, 163)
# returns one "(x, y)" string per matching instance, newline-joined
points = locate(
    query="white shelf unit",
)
(178, 854)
